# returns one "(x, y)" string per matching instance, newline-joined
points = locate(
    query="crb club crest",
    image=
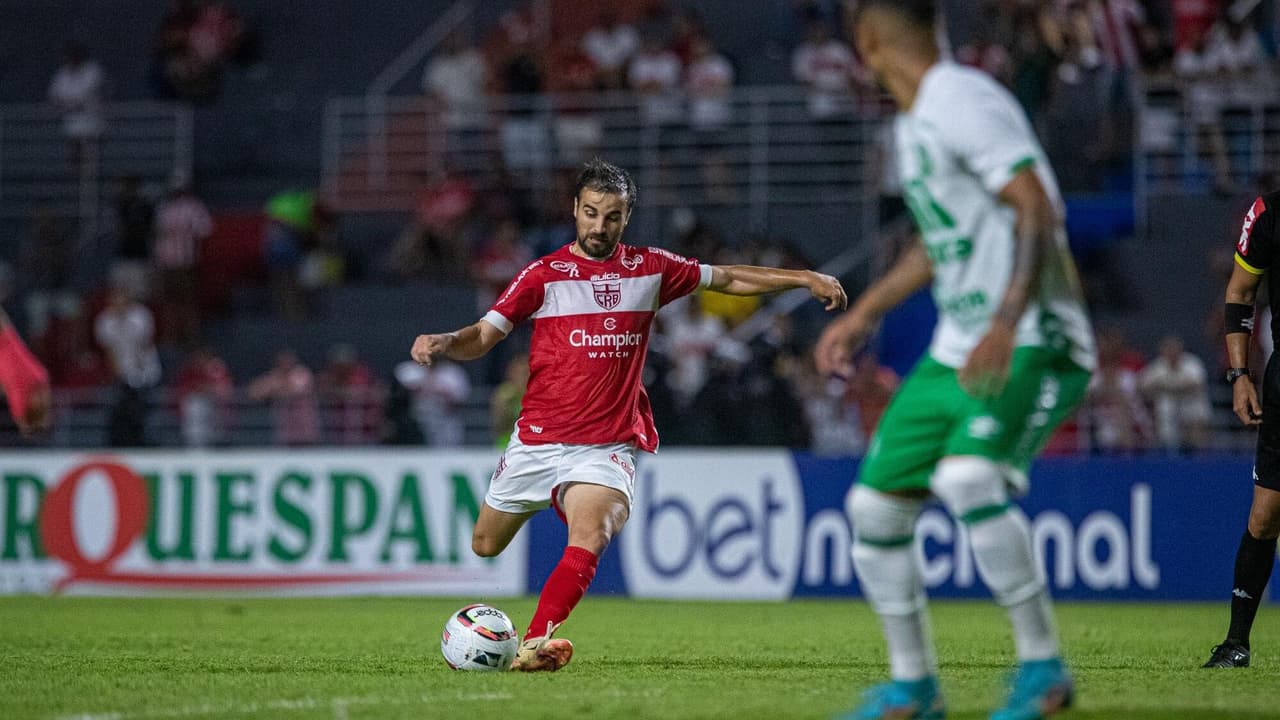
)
(608, 293)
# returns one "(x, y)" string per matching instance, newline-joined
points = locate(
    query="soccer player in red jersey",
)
(585, 413)
(24, 380)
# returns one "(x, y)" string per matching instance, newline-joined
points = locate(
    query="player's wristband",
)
(1239, 318)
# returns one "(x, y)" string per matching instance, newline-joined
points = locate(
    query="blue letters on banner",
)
(1160, 528)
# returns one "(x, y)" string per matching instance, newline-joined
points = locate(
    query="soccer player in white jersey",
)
(585, 413)
(1011, 356)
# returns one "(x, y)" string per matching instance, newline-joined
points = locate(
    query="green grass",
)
(379, 658)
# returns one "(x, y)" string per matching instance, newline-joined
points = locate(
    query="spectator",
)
(1177, 385)
(217, 35)
(691, 335)
(827, 67)
(182, 225)
(1204, 91)
(351, 396)
(1113, 411)
(192, 46)
(1033, 61)
(654, 75)
(290, 388)
(870, 389)
(173, 72)
(524, 131)
(687, 30)
(501, 258)
(837, 428)
(204, 393)
(456, 80)
(126, 330)
(433, 244)
(1237, 51)
(505, 404)
(610, 44)
(135, 217)
(438, 393)
(578, 131)
(400, 427)
(986, 51)
(1192, 20)
(45, 271)
(708, 85)
(76, 90)
(295, 218)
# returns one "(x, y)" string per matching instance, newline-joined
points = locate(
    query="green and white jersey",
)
(960, 144)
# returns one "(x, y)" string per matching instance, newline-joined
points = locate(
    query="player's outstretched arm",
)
(842, 338)
(468, 343)
(756, 280)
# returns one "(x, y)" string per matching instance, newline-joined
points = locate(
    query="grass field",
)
(100, 659)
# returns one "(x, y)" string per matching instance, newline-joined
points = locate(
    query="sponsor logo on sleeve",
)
(1246, 232)
(516, 283)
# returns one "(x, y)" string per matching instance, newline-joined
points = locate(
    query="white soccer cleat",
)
(543, 654)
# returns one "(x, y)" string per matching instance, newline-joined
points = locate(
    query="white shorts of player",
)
(531, 477)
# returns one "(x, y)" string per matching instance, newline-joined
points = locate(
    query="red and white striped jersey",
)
(591, 321)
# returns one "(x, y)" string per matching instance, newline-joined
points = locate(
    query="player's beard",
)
(585, 244)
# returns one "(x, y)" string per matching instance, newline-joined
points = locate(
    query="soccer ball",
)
(479, 637)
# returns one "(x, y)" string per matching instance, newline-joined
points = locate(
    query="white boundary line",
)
(338, 704)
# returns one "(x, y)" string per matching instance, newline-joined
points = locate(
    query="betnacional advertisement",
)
(722, 523)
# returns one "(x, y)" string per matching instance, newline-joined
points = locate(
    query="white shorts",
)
(531, 477)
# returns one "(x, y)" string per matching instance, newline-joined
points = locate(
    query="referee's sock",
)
(1254, 560)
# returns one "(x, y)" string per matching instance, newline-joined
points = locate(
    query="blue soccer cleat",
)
(1041, 688)
(900, 700)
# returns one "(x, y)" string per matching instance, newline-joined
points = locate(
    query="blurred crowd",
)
(1074, 64)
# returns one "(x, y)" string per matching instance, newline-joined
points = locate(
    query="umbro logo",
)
(1241, 594)
(984, 427)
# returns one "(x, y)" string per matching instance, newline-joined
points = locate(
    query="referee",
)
(1256, 248)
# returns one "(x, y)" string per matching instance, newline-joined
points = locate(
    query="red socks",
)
(563, 589)
(20, 372)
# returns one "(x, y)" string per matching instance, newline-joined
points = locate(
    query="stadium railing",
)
(148, 139)
(1173, 151)
(378, 153)
(82, 418)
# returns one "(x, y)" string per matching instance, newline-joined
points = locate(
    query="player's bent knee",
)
(881, 518)
(486, 546)
(1264, 526)
(970, 487)
(595, 539)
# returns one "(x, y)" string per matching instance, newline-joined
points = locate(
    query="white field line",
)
(339, 706)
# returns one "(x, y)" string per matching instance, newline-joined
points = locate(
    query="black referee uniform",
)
(1257, 250)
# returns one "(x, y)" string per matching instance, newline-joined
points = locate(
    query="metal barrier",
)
(40, 169)
(380, 151)
(1186, 138)
(82, 417)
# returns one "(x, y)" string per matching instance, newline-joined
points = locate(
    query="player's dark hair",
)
(600, 176)
(921, 13)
